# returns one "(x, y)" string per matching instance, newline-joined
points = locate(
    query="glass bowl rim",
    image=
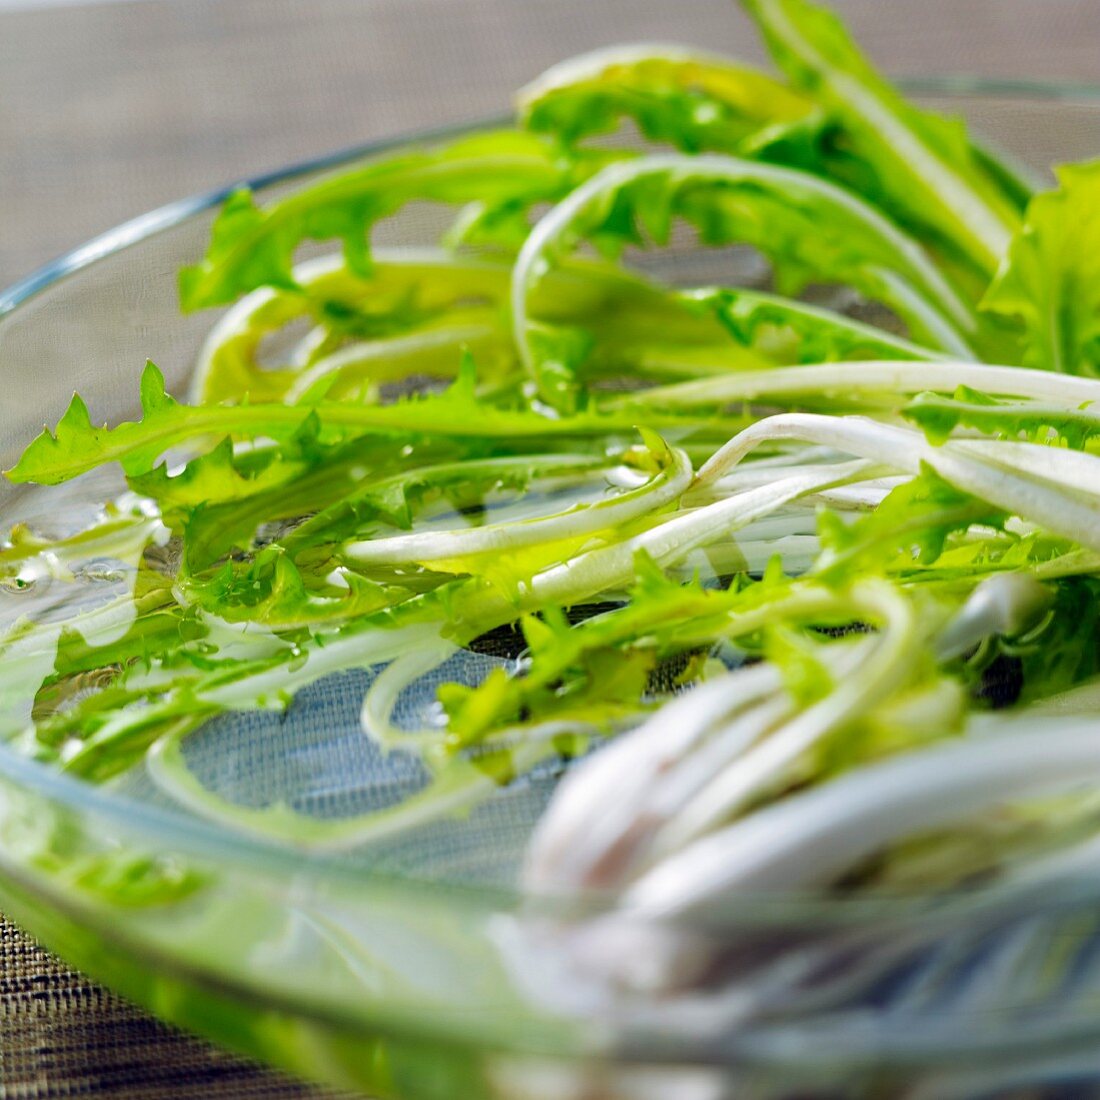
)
(148, 224)
(204, 839)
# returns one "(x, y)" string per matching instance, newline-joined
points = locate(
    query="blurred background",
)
(110, 108)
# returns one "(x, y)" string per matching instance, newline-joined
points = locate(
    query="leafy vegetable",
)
(1050, 275)
(1034, 420)
(816, 555)
(252, 247)
(923, 166)
(691, 100)
(800, 333)
(811, 230)
(77, 446)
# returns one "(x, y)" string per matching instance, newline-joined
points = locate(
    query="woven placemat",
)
(62, 1035)
(107, 110)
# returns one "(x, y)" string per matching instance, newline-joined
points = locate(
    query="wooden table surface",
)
(109, 109)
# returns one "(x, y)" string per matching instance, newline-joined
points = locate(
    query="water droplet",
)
(18, 586)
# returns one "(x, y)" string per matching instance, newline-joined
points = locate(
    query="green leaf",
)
(909, 529)
(252, 246)
(917, 165)
(687, 99)
(76, 446)
(213, 478)
(1031, 421)
(270, 590)
(407, 292)
(559, 352)
(1065, 650)
(805, 676)
(792, 332)
(1050, 278)
(811, 230)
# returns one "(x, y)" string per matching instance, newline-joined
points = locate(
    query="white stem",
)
(806, 840)
(380, 701)
(1006, 603)
(917, 276)
(426, 546)
(383, 360)
(599, 63)
(1074, 472)
(866, 677)
(598, 824)
(983, 468)
(595, 807)
(873, 377)
(895, 448)
(692, 780)
(605, 569)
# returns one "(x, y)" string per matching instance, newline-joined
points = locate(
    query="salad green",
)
(815, 549)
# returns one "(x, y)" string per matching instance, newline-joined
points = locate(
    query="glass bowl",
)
(394, 969)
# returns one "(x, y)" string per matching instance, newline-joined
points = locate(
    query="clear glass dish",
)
(391, 969)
